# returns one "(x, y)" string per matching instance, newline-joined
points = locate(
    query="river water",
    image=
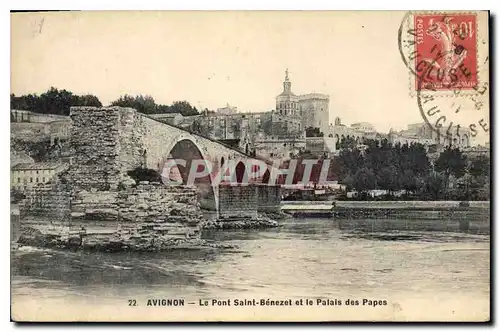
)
(420, 275)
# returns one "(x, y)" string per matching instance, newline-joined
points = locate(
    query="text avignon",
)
(165, 303)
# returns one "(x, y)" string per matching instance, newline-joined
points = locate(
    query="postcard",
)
(250, 166)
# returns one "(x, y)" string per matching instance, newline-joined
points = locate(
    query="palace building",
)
(311, 110)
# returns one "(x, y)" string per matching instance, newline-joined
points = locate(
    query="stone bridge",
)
(110, 142)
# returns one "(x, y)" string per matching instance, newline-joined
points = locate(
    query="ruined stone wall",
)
(30, 132)
(171, 207)
(132, 152)
(95, 142)
(173, 212)
(237, 201)
(47, 200)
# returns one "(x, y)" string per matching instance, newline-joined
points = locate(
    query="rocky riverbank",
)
(118, 245)
(239, 223)
(146, 236)
(133, 240)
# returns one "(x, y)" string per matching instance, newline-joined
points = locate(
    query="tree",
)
(314, 132)
(89, 100)
(451, 162)
(480, 166)
(434, 185)
(387, 178)
(143, 104)
(53, 101)
(348, 142)
(266, 125)
(408, 181)
(162, 109)
(184, 108)
(350, 161)
(364, 180)
(144, 174)
(200, 127)
(348, 181)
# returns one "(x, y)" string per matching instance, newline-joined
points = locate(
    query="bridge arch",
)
(240, 170)
(185, 147)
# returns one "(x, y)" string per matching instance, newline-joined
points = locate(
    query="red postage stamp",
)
(446, 51)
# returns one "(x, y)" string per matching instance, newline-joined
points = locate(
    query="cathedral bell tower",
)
(287, 101)
(287, 85)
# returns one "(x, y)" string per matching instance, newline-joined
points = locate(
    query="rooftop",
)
(34, 166)
(314, 95)
(165, 115)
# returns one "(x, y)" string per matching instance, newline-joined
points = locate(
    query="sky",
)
(214, 58)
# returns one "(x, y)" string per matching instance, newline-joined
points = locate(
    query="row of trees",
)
(56, 101)
(53, 101)
(147, 105)
(407, 167)
(314, 132)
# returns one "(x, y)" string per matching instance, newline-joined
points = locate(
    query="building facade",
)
(321, 145)
(421, 133)
(313, 109)
(25, 176)
(228, 109)
(356, 132)
(279, 132)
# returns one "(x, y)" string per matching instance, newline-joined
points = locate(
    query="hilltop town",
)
(298, 126)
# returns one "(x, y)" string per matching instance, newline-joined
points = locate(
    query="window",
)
(18, 180)
(43, 179)
(31, 179)
(37, 179)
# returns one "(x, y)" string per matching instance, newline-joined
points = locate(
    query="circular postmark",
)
(446, 56)
(456, 120)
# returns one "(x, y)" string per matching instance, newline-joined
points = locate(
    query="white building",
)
(227, 110)
(364, 127)
(421, 133)
(25, 176)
